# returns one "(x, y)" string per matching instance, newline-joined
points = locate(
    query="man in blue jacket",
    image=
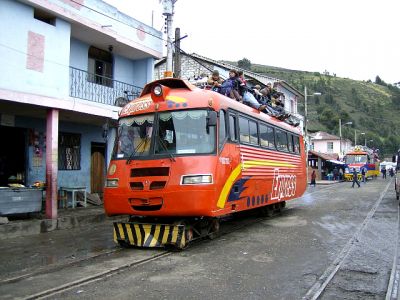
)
(355, 178)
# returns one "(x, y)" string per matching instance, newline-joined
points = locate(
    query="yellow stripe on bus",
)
(269, 163)
(176, 99)
(242, 166)
(227, 186)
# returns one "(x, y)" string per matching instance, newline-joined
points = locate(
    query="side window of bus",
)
(267, 138)
(290, 142)
(244, 131)
(253, 133)
(281, 140)
(296, 143)
(232, 128)
(222, 129)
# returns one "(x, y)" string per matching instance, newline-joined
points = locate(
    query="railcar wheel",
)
(267, 211)
(124, 244)
(214, 229)
(188, 235)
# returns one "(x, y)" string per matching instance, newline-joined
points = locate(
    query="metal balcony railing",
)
(100, 89)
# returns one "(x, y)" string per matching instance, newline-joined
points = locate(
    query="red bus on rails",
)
(184, 157)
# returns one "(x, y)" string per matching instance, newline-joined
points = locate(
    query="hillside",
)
(374, 108)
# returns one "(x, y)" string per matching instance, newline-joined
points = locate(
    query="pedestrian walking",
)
(363, 175)
(355, 178)
(384, 172)
(313, 177)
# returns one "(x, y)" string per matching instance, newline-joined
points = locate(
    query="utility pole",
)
(305, 121)
(355, 137)
(168, 12)
(340, 137)
(177, 62)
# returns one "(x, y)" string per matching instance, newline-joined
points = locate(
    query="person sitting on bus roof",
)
(250, 100)
(230, 87)
(274, 101)
(256, 92)
(215, 81)
(247, 95)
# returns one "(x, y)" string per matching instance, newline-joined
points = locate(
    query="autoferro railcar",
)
(184, 157)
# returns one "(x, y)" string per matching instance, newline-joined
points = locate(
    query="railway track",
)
(393, 292)
(227, 227)
(130, 262)
(318, 288)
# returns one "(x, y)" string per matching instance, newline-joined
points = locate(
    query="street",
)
(336, 242)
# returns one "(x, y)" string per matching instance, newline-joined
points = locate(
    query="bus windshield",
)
(176, 133)
(356, 159)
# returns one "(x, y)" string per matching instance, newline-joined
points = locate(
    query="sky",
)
(357, 39)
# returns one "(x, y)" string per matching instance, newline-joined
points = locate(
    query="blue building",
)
(67, 67)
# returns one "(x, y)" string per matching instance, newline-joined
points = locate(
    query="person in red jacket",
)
(313, 177)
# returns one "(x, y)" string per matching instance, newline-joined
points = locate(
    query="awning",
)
(336, 162)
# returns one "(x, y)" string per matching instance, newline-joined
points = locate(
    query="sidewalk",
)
(67, 219)
(326, 182)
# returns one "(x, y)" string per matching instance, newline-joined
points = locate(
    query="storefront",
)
(325, 164)
(13, 154)
(81, 160)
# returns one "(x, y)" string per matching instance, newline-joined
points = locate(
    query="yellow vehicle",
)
(361, 157)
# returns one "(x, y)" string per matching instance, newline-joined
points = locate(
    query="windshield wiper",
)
(143, 142)
(160, 141)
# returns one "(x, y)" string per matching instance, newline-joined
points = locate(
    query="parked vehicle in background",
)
(361, 157)
(396, 160)
(387, 165)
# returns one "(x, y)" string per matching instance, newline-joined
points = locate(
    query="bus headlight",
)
(112, 183)
(197, 179)
(157, 90)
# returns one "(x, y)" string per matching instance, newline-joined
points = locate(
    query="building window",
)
(330, 147)
(69, 151)
(100, 66)
(44, 16)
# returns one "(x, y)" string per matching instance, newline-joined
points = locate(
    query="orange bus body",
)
(244, 176)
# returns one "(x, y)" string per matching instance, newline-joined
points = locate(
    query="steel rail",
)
(57, 266)
(322, 282)
(96, 277)
(392, 292)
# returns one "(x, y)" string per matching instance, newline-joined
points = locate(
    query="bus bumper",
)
(150, 235)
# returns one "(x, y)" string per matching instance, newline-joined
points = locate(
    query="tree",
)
(379, 81)
(244, 64)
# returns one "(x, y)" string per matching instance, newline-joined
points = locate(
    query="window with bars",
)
(329, 146)
(69, 151)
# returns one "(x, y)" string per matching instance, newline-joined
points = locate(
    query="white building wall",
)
(322, 146)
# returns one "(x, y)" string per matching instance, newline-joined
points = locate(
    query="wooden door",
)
(98, 168)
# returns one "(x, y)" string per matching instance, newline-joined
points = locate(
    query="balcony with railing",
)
(101, 89)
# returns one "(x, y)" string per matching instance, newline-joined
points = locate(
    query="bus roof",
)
(180, 94)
